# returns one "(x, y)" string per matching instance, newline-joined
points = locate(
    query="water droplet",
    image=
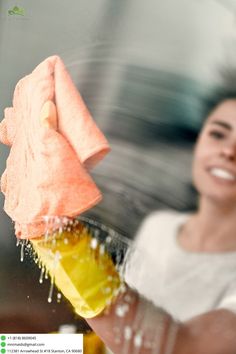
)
(51, 291)
(108, 302)
(46, 236)
(107, 290)
(103, 227)
(57, 258)
(121, 310)
(65, 220)
(122, 288)
(94, 243)
(128, 299)
(118, 257)
(46, 219)
(108, 239)
(116, 292)
(57, 219)
(138, 340)
(102, 249)
(22, 251)
(41, 275)
(96, 233)
(59, 297)
(127, 332)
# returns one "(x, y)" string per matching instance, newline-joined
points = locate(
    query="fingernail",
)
(48, 115)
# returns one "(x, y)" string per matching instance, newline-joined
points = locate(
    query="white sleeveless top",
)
(183, 283)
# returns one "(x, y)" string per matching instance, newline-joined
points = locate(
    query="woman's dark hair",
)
(225, 90)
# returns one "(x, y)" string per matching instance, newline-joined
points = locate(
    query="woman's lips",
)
(222, 173)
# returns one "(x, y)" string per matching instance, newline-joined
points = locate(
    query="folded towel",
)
(46, 170)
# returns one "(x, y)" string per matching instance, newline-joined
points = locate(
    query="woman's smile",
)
(222, 174)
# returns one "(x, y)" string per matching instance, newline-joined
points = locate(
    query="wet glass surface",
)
(144, 72)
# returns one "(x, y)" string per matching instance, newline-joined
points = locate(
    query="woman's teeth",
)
(218, 172)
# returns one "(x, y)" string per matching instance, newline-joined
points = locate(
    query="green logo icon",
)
(3, 344)
(3, 351)
(16, 11)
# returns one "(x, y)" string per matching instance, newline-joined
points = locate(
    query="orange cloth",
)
(46, 171)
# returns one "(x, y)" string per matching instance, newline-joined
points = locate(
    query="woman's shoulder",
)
(163, 216)
(158, 222)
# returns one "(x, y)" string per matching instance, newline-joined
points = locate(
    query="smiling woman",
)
(214, 168)
(188, 272)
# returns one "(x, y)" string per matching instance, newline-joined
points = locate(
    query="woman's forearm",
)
(134, 325)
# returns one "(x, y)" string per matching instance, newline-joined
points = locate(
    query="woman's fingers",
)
(3, 182)
(3, 133)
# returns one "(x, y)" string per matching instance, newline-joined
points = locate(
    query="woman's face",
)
(214, 164)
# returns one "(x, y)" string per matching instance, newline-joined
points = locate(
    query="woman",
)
(134, 325)
(195, 262)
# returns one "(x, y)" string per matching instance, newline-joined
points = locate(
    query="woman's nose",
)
(229, 151)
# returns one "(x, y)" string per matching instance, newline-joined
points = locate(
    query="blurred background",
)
(145, 72)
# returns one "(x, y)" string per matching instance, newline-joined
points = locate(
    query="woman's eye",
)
(216, 134)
